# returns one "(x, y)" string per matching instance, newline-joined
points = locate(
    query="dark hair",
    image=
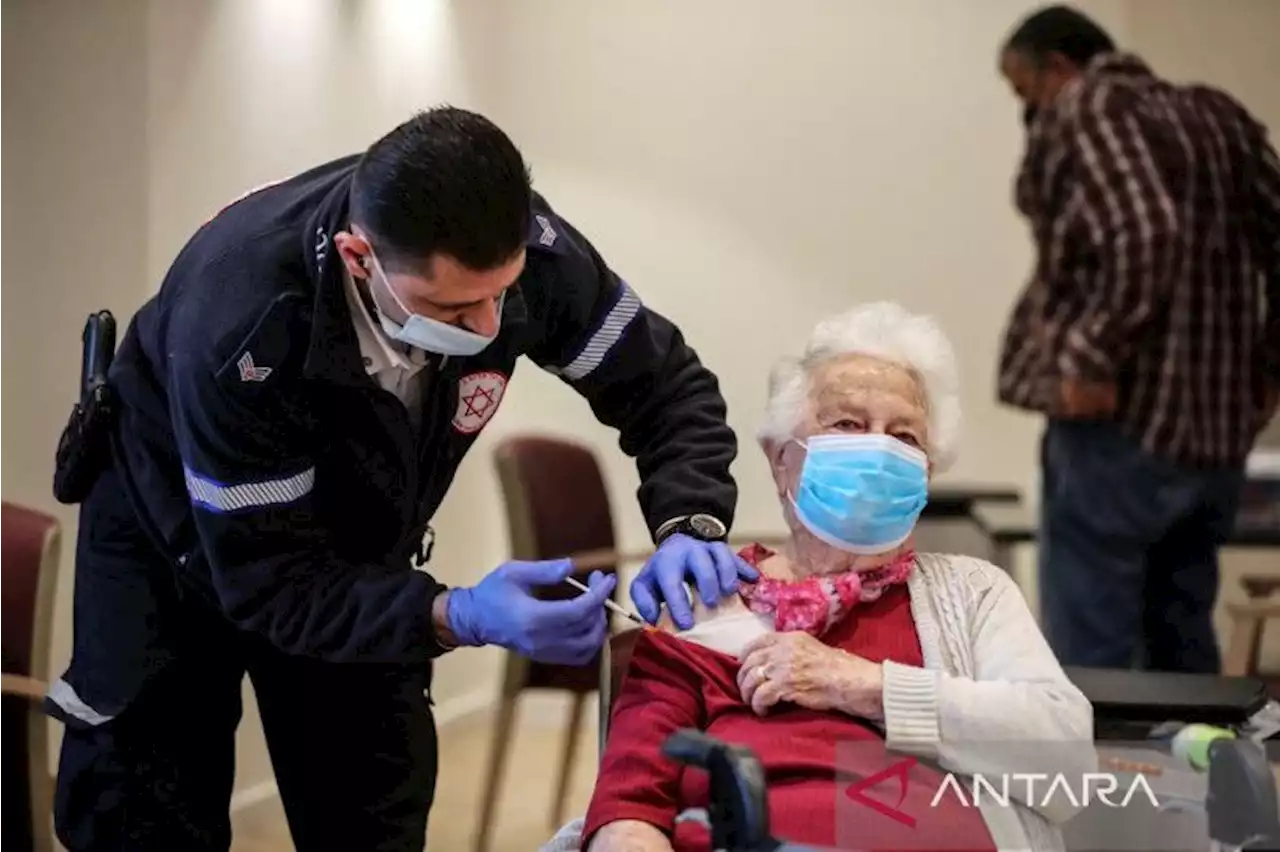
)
(447, 181)
(1060, 29)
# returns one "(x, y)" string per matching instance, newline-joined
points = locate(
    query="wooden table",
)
(959, 501)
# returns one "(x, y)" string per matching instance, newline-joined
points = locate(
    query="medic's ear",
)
(354, 251)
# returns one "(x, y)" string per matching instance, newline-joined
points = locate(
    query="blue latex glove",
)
(499, 610)
(714, 567)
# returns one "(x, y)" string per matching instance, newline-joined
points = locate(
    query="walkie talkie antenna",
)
(84, 450)
(99, 339)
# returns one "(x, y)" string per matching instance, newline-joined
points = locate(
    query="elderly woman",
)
(854, 651)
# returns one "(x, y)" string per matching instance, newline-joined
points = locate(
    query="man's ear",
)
(354, 251)
(1058, 61)
(1059, 67)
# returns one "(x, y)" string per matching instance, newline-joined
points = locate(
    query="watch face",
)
(707, 526)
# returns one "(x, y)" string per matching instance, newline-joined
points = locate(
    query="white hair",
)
(881, 330)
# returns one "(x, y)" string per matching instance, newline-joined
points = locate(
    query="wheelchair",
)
(1241, 803)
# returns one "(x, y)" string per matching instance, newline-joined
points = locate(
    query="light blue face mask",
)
(861, 493)
(429, 334)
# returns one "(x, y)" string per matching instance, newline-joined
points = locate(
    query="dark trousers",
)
(1129, 552)
(353, 745)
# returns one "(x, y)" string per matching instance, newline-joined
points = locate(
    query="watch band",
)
(666, 527)
(701, 526)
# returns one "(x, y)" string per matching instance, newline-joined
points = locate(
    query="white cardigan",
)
(989, 678)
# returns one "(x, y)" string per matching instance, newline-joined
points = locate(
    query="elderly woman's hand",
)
(796, 667)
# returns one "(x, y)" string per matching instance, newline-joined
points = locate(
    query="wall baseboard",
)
(447, 713)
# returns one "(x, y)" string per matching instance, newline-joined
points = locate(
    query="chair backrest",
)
(29, 556)
(613, 668)
(556, 505)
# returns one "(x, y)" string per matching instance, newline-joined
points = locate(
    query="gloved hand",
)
(499, 610)
(715, 569)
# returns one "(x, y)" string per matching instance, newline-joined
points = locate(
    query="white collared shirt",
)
(395, 366)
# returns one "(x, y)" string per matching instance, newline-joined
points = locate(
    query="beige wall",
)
(1234, 45)
(746, 170)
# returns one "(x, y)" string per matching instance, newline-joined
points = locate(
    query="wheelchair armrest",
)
(1136, 697)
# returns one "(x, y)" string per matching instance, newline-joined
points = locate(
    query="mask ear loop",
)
(369, 261)
(804, 445)
(372, 266)
(386, 283)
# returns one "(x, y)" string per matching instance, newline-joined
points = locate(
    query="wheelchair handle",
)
(739, 808)
(1242, 801)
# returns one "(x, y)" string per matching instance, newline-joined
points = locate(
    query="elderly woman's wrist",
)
(873, 693)
(861, 690)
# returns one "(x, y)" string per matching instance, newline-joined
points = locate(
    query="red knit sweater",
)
(672, 683)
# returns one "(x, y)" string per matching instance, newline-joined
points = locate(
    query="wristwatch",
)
(701, 527)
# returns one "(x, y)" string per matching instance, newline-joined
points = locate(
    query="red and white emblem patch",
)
(479, 395)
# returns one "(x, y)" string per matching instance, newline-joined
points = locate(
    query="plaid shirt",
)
(1156, 214)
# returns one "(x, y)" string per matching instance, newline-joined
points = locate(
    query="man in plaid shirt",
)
(1149, 336)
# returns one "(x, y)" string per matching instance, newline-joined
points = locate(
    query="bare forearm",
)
(630, 835)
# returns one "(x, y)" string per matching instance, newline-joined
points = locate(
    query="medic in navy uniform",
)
(292, 407)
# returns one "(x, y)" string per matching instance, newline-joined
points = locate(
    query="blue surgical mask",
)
(861, 493)
(426, 333)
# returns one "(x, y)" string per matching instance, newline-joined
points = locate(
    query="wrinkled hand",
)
(501, 610)
(714, 567)
(1087, 400)
(797, 668)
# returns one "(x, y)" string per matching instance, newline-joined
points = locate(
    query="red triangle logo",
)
(899, 770)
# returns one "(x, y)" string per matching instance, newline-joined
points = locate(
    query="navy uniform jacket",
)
(291, 489)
